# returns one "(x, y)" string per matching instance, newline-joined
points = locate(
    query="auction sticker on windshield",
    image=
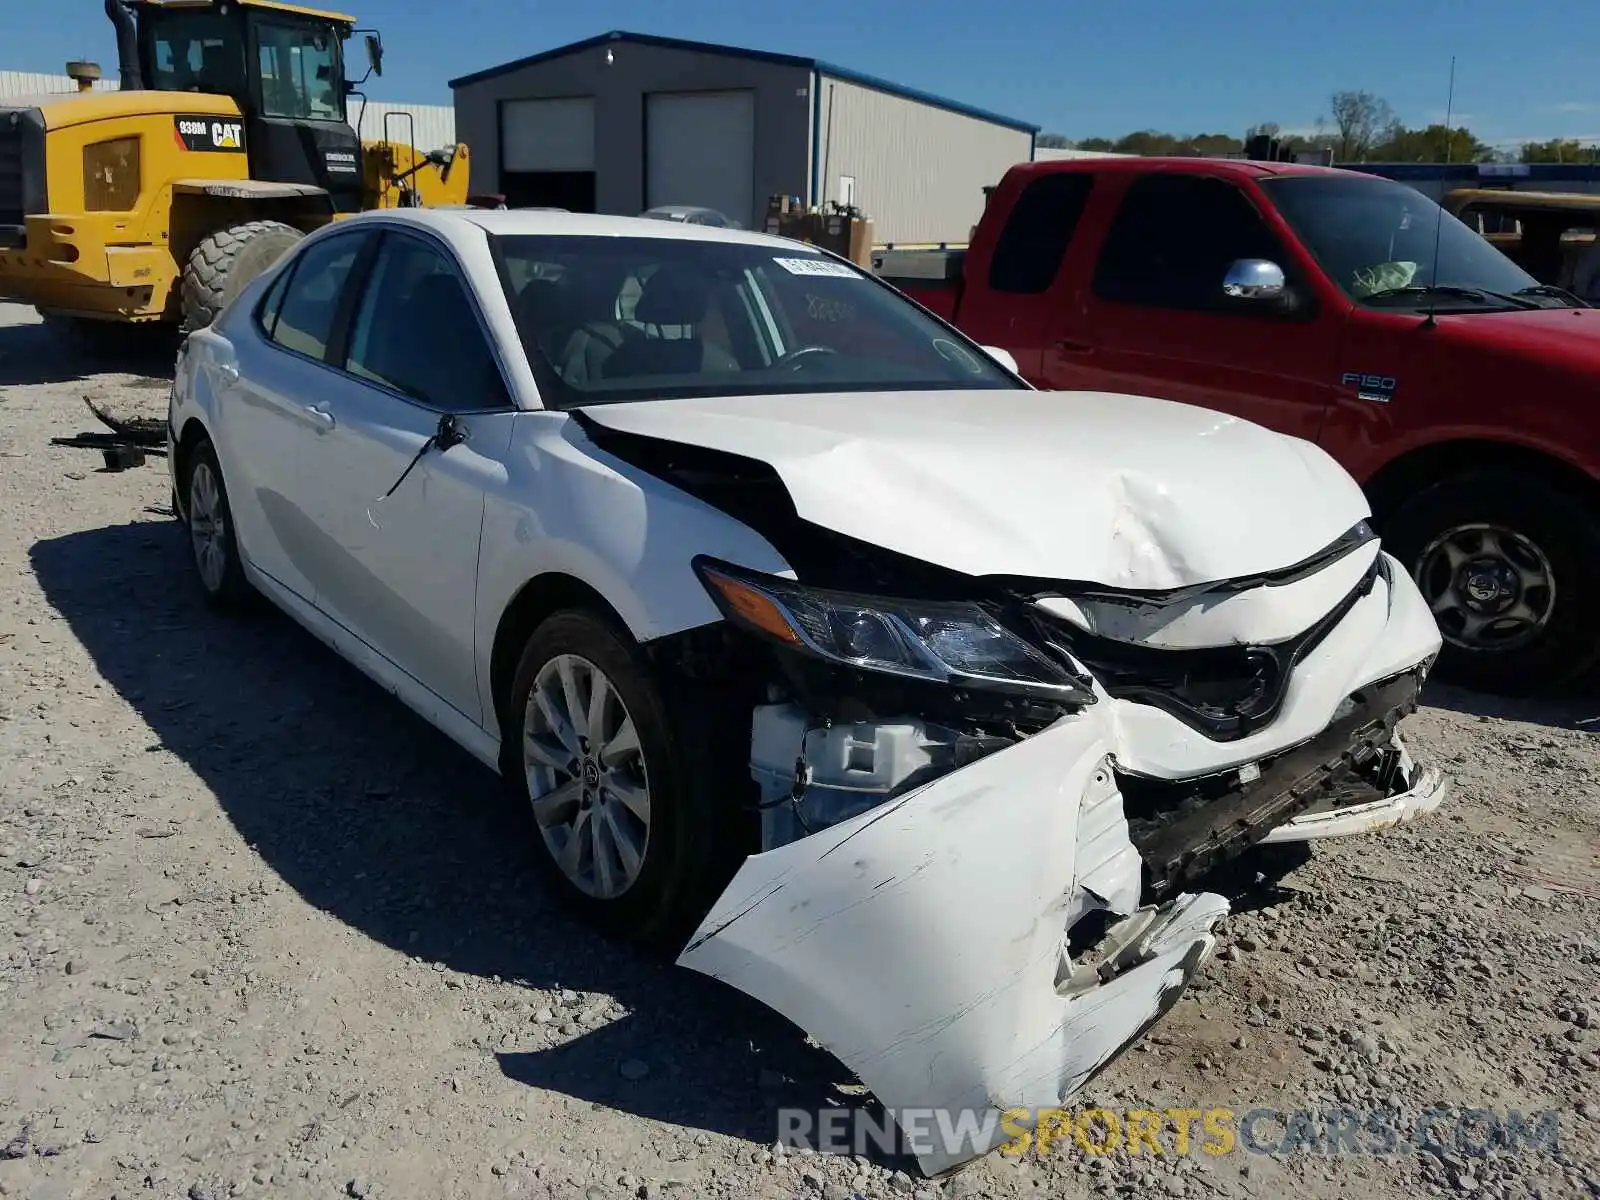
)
(815, 266)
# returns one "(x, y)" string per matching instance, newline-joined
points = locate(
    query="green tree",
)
(1215, 145)
(1435, 143)
(1559, 150)
(1053, 141)
(1096, 143)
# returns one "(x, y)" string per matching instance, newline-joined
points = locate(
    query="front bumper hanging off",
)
(986, 942)
(923, 942)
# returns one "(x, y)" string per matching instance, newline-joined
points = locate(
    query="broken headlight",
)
(959, 644)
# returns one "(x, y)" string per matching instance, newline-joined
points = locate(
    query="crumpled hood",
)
(1123, 491)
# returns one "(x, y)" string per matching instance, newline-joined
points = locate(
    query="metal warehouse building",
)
(626, 121)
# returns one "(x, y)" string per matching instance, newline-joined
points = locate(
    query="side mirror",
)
(374, 53)
(1254, 279)
(1003, 357)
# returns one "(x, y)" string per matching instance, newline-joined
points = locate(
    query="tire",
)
(224, 262)
(685, 854)
(213, 545)
(1502, 531)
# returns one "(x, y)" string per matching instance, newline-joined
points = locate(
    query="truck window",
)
(1173, 239)
(299, 73)
(1036, 234)
(196, 52)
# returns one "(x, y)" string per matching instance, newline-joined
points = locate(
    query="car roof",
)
(513, 222)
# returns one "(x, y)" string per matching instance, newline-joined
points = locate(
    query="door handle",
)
(321, 418)
(1074, 346)
(228, 373)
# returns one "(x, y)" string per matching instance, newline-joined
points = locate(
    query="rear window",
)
(607, 319)
(1038, 231)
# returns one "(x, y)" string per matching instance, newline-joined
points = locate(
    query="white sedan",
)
(901, 696)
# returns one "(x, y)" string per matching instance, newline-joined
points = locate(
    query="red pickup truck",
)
(1333, 306)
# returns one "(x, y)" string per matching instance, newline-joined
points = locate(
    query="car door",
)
(405, 510)
(1029, 307)
(270, 392)
(1160, 323)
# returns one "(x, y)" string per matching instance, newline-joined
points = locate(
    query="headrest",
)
(590, 296)
(540, 302)
(674, 295)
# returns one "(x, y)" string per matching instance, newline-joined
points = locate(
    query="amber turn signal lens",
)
(754, 607)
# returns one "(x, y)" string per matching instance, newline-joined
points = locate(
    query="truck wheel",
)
(224, 262)
(1511, 569)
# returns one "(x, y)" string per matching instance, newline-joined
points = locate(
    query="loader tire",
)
(223, 263)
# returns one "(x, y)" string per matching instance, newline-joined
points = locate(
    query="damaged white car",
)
(913, 701)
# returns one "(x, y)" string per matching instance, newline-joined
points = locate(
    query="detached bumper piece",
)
(928, 942)
(1341, 781)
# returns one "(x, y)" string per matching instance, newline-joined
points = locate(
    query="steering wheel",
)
(795, 359)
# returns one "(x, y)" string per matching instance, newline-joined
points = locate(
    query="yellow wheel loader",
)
(153, 205)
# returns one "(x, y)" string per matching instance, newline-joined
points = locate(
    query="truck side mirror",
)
(1254, 279)
(374, 53)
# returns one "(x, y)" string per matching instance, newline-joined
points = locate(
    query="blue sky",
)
(1524, 71)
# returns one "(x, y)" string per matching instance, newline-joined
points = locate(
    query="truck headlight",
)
(958, 644)
(111, 175)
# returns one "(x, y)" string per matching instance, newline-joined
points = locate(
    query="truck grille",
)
(22, 189)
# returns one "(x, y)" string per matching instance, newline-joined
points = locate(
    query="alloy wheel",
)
(1490, 588)
(208, 527)
(586, 776)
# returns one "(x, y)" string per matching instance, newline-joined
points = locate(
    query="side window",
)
(1037, 233)
(298, 73)
(1173, 239)
(304, 321)
(267, 310)
(416, 331)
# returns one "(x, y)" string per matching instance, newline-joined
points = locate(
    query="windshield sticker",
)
(816, 266)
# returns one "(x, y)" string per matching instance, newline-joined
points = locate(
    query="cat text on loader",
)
(227, 142)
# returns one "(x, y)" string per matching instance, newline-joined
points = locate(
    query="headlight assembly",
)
(957, 644)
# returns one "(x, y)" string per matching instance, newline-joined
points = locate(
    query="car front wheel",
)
(618, 793)
(213, 545)
(1511, 569)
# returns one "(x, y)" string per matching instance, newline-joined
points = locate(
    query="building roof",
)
(844, 74)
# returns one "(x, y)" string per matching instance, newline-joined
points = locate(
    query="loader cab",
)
(284, 67)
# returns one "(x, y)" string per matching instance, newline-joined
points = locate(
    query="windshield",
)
(1375, 238)
(607, 319)
(195, 52)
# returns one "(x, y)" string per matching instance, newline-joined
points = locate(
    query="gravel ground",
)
(265, 933)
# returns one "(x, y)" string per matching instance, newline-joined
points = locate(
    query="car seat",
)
(675, 294)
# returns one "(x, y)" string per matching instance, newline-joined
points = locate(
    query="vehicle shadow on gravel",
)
(1577, 707)
(33, 353)
(380, 821)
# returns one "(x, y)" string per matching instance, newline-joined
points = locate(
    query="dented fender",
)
(922, 942)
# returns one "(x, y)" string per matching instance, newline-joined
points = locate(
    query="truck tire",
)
(1511, 568)
(225, 261)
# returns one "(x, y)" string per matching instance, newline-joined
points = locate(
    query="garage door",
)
(700, 150)
(547, 135)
